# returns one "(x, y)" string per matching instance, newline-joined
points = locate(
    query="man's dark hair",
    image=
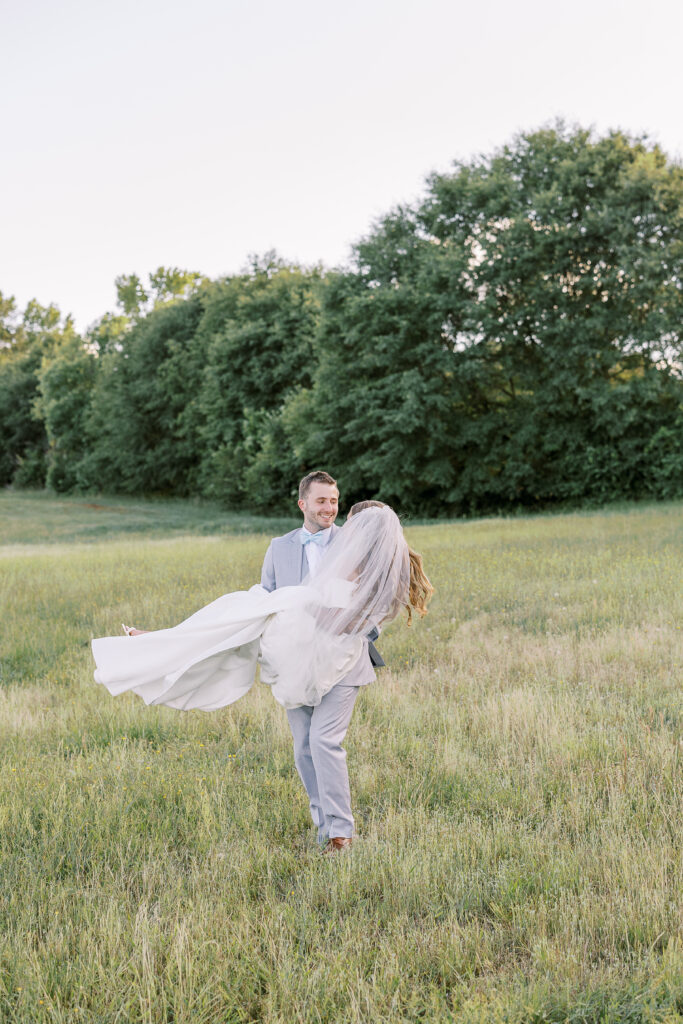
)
(314, 478)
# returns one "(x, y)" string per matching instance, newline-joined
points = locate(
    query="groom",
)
(319, 731)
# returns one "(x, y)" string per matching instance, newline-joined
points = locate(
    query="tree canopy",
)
(511, 339)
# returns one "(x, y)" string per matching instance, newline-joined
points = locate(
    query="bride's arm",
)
(132, 631)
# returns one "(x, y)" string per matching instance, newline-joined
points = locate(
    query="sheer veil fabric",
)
(307, 638)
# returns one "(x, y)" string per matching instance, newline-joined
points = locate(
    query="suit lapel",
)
(296, 559)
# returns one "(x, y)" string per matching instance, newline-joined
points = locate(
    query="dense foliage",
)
(514, 338)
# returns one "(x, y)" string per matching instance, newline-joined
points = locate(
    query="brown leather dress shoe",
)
(337, 843)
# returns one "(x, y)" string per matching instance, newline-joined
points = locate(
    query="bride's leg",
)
(329, 724)
(300, 724)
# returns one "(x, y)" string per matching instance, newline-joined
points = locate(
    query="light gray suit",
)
(319, 731)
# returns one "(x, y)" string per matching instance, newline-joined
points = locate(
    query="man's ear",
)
(301, 503)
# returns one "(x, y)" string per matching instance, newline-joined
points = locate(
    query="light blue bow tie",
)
(313, 538)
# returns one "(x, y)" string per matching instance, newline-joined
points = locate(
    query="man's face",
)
(320, 506)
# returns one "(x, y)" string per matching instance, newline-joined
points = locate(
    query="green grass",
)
(35, 517)
(517, 775)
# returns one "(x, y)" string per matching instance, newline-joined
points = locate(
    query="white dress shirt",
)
(316, 552)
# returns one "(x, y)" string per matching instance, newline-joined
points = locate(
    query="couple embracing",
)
(325, 593)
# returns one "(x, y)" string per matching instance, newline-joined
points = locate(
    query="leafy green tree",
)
(107, 334)
(65, 384)
(131, 296)
(381, 412)
(25, 341)
(8, 308)
(169, 283)
(513, 339)
(573, 308)
(138, 426)
(258, 332)
(166, 284)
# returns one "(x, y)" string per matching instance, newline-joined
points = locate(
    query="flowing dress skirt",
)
(209, 660)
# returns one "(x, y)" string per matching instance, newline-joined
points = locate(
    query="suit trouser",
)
(321, 760)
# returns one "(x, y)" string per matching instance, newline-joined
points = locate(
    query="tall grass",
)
(516, 774)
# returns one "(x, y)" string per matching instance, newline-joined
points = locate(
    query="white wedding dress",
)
(307, 638)
(209, 660)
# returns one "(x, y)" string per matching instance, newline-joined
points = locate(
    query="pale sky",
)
(141, 132)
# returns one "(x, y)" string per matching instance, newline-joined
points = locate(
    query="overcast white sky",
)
(141, 132)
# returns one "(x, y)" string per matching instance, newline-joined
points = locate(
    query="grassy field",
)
(517, 776)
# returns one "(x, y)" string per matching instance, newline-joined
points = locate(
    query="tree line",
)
(512, 339)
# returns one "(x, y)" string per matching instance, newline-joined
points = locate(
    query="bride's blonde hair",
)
(420, 589)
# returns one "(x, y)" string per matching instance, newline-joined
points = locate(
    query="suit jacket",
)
(285, 565)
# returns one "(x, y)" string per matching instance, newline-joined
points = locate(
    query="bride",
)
(306, 637)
